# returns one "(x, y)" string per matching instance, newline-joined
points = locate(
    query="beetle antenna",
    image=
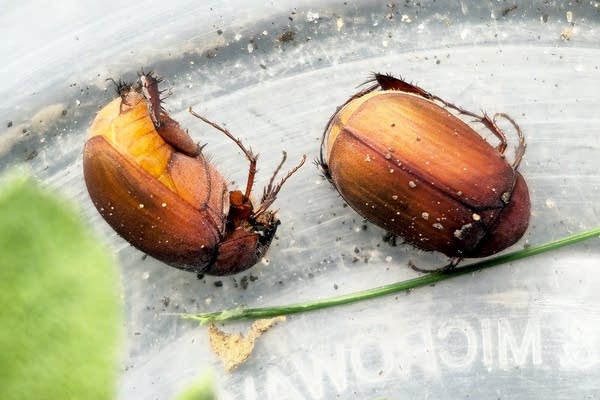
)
(270, 192)
(247, 151)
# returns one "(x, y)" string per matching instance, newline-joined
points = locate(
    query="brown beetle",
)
(154, 186)
(399, 157)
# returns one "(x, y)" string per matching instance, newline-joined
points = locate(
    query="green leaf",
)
(59, 301)
(199, 390)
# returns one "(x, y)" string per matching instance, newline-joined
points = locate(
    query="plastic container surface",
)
(274, 74)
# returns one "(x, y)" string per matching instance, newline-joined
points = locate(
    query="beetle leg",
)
(247, 152)
(149, 85)
(269, 187)
(520, 152)
(495, 129)
(489, 123)
(270, 192)
(269, 195)
(454, 261)
(388, 82)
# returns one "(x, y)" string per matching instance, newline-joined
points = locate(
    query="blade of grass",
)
(269, 312)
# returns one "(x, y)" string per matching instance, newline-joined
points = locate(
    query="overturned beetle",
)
(154, 186)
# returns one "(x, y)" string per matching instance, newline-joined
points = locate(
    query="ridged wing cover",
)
(418, 171)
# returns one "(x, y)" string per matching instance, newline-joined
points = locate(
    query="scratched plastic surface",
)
(527, 330)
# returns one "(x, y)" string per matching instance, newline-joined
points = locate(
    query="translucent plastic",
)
(274, 73)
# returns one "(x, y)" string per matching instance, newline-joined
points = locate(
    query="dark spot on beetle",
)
(219, 31)
(166, 300)
(218, 283)
(200, 276)
(356, 250)
(355, 260)
(9, 124)
(335, 286)
(63, 112)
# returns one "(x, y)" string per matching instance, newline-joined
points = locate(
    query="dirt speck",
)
(391, 239)
(286, 36)
(508, 10)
